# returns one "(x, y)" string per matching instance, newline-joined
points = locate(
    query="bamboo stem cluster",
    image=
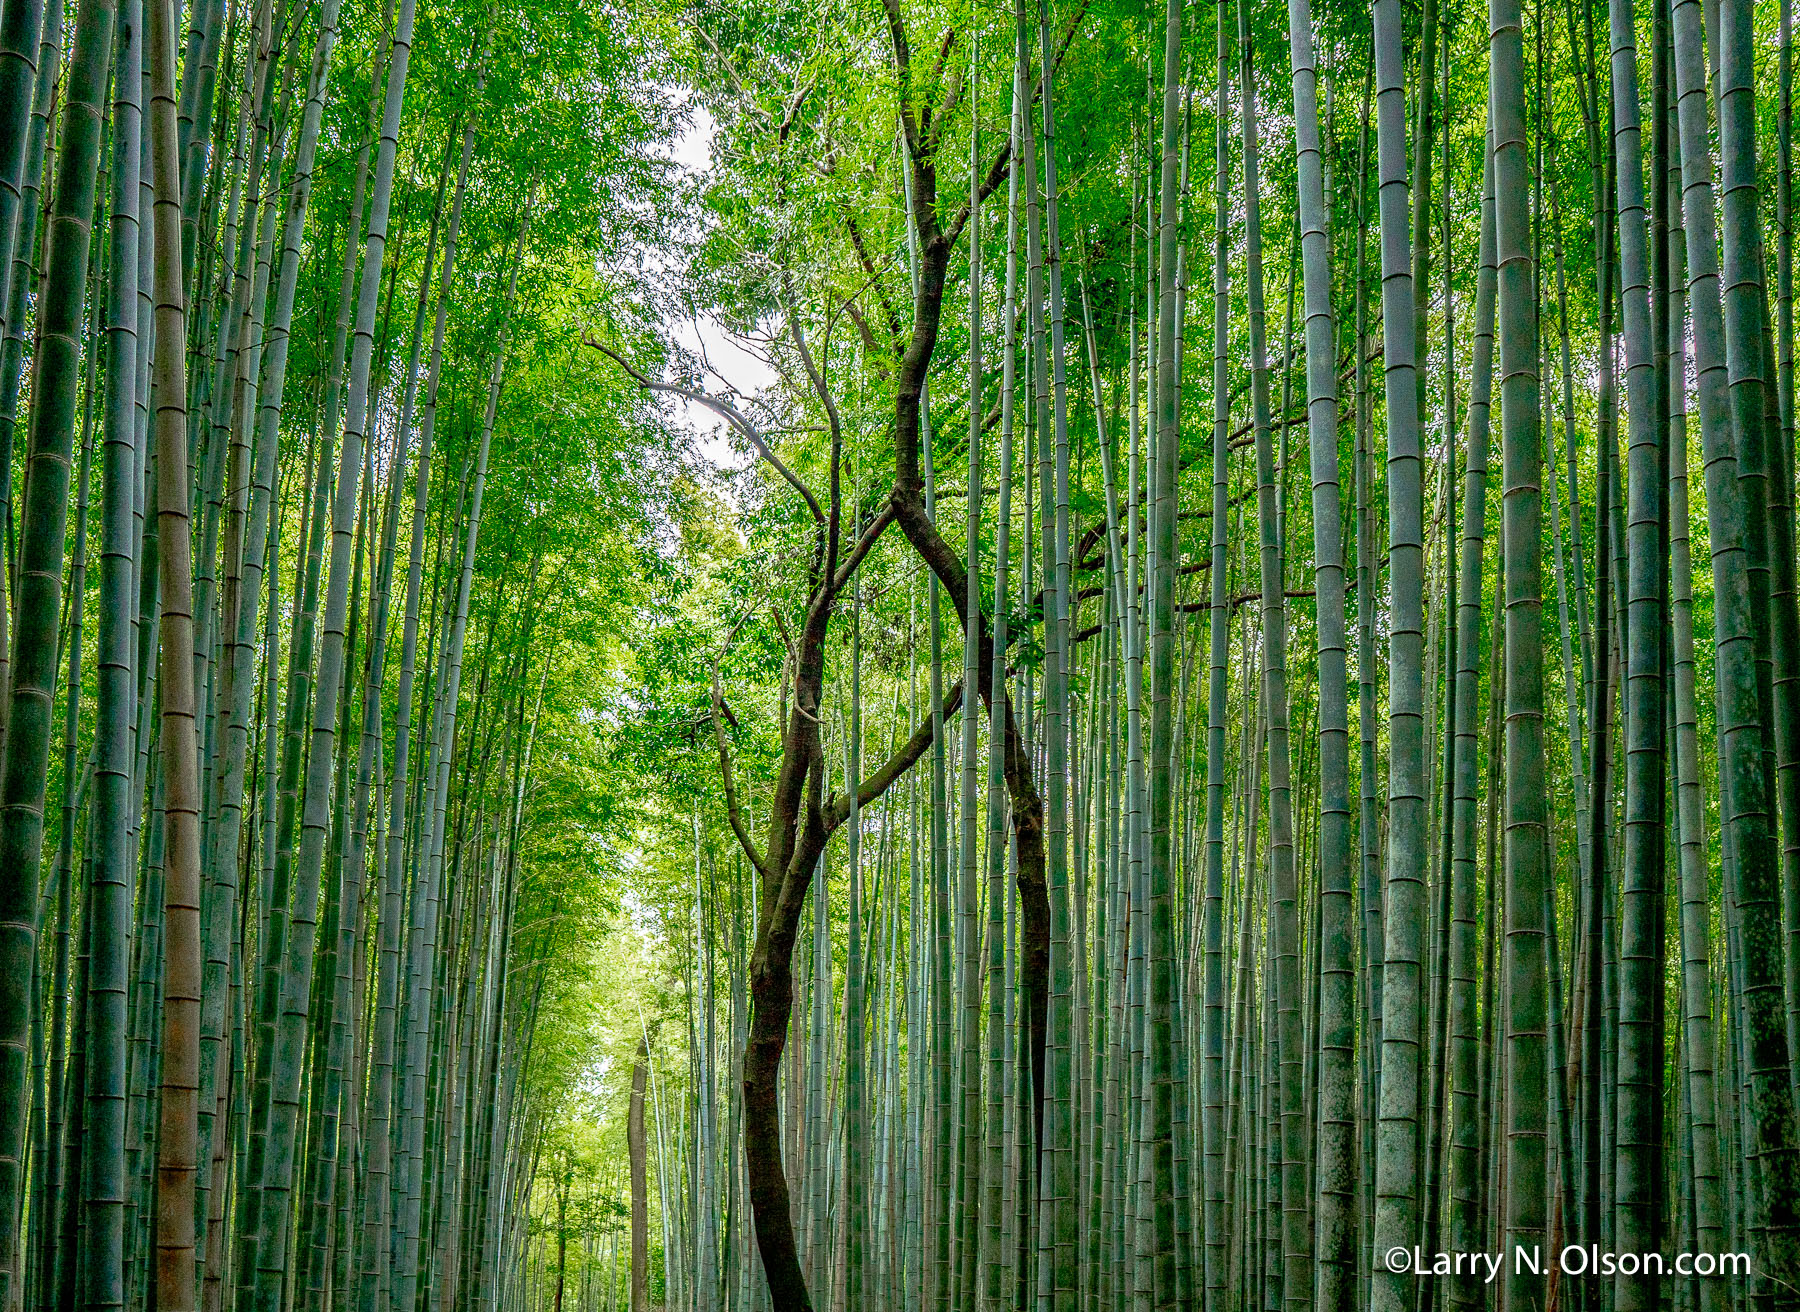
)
(1236, 1039)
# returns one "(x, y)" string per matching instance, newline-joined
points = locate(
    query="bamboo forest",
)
(866, 655)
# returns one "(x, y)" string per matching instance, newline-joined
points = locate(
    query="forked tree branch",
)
(731, 414)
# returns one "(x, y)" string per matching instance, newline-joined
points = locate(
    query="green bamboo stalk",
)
(996, 1169)
(1465, 1122)
(438, 772)
(1213, 999)
(1334, 1189)
(1396, 1148)
(1284, 915)
(24, 265)
(1526, 876)
(1057, 1149)
(108, 857)
(1157, 1240)
(38, 589)
(283, 1092)
(1639, 1145)
(1748, 822)
(21, 26)
(968, 895)
(179, 1053)
(1703, 1170)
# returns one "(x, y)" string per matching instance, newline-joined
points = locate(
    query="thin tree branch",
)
(863, 546)
(863, 257)
(731, 414)
(871, 788)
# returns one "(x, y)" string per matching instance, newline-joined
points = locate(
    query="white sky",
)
(732, 364)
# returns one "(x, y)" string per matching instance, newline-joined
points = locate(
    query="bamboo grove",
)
(1248, 721)
(291, 674)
